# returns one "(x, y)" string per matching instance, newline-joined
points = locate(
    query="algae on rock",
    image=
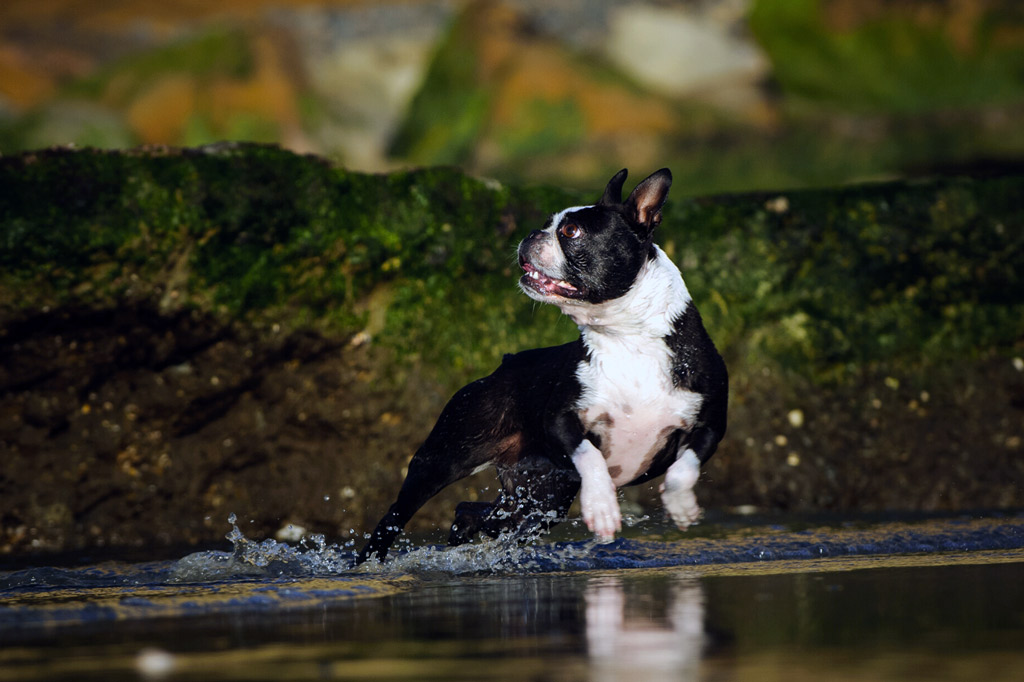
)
(188, 333)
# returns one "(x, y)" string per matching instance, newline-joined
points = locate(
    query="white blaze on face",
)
(549, 255)
(546, 266)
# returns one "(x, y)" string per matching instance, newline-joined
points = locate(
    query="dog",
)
(642, 392)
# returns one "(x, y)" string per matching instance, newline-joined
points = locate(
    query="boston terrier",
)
(642, 392)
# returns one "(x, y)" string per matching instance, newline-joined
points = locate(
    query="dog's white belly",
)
(632, 433)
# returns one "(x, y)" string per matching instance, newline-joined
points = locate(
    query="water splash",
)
(314, 557)
(503, 555)
(510, 554)
(267, 559)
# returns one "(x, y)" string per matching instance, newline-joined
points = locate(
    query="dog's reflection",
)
(645, 639)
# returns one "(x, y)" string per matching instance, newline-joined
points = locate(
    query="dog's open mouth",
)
(547, 286)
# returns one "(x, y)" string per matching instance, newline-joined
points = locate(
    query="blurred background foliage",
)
(732, 94)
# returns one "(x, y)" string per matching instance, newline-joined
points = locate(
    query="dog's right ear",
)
(645, 202)
(613, 192)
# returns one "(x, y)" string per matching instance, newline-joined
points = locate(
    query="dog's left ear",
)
(644, 204)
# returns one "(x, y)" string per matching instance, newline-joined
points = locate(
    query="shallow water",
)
(928, 599)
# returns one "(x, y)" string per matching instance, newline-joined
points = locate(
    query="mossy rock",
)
(189, 333)
(824, 281)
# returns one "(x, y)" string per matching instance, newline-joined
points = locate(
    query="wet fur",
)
(641, 392)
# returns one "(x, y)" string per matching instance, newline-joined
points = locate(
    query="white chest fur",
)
(628, 399)
(629, 402)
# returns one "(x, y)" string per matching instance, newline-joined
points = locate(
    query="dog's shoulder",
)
(696, 363)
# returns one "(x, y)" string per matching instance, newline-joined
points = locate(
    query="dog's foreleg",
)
(677, 494)
(598, 500)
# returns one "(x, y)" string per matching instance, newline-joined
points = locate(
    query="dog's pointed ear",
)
(613, 192)
(645, 202)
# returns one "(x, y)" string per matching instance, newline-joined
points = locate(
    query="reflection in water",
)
(641, 640)
(857, 603)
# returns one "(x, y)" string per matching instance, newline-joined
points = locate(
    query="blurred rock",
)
(500, 95)
(364, 63)
(699, 49)
(736, 94)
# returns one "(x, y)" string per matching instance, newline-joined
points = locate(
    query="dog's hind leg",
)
(478, 426)
(424, 480)
(470, 518)
(535, 496)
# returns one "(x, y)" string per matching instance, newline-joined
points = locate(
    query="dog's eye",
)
(571, 231)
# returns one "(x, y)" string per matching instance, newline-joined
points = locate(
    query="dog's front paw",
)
(600, 508)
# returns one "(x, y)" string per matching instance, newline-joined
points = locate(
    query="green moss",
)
(841, 279)
(823, 283)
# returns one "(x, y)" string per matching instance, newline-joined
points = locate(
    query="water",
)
(929, 599)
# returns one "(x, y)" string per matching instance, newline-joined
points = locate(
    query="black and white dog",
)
(642, 392)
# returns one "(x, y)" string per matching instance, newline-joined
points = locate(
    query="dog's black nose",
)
(535, 234)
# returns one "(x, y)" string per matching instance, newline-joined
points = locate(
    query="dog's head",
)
(592, 254)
